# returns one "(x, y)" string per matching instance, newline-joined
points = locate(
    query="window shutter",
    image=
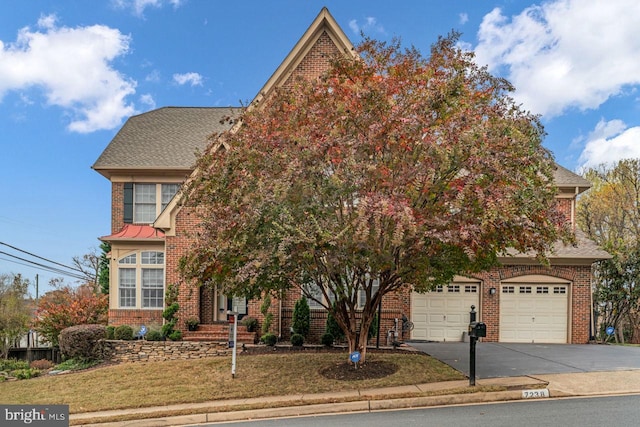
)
(128, 203)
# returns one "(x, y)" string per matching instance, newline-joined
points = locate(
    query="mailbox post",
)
(476, 330)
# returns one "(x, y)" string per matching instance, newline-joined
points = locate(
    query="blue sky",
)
(71, 73)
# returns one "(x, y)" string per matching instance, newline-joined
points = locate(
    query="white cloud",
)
(564, 53)
(609, 142)
(194, 79)
(138, 6)
(464, 18)
(370, 25)
(148, 100)
(72, 68)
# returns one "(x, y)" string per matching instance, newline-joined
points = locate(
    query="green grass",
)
(135, 385)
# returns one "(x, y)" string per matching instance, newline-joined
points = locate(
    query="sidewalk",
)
(444, 393)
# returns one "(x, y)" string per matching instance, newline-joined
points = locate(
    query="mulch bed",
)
(346, 371)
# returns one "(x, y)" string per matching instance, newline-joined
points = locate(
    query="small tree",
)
(14, 310)
(103, 268)
(301, 321)
(67, 306)
(268, 316)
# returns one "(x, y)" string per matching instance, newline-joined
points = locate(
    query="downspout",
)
(280, 315)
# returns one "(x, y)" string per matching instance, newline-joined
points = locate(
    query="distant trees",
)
(609, 214)
(15, 310)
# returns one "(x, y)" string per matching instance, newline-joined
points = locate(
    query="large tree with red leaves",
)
(390, 170)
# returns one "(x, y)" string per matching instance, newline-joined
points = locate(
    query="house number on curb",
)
(533, 394)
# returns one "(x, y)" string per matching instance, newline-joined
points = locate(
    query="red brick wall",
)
(117, 206)
(565, 206)
(316, 61)
(176, 247)
(579, 303)
(136, 318)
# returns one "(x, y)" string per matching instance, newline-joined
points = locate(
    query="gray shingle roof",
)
(565, 178)
(166, 138)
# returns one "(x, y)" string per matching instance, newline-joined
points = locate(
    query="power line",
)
(39, 257)
(44, 267)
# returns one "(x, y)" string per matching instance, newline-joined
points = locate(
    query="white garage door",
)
(534, 312)
(443, 314)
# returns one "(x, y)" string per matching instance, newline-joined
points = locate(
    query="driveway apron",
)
(494, 360)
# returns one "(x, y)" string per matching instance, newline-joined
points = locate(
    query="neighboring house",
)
(153, 153)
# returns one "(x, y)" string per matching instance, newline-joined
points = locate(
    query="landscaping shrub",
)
(327, 339)
(297, 340)
(175, 335)
(251, 323)
(301, 321)
(25, 374)
(82, 341)
(111, 332)
(154, 336)
(269, 339)
(268, 317)
(8, 365)
(333, 328)
(123, 332)
(42, 364)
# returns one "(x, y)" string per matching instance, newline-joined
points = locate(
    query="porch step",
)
(219, 333)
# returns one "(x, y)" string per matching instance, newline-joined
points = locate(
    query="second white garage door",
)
(443, 314)
(534, 312)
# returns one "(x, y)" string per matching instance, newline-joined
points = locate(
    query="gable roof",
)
(323, 24)
(564, 178)
(164, 139)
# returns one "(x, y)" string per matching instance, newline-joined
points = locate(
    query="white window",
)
(150, 199)
(127, 287)
(168, 191)
(143, 277)
(312, 290)
(362, 295)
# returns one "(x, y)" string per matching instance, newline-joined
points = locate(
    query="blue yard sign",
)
(610, 330)
(354, 357)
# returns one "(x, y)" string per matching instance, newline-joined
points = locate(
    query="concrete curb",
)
(309, 409)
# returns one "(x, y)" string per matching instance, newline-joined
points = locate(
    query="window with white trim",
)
(150, 199)
(141, 282)
(313, 290)
(362, 294)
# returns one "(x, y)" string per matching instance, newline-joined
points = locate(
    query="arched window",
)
(141, 280)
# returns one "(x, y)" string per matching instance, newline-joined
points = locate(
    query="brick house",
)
(154, 152)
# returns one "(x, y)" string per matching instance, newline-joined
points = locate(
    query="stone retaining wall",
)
(146, 351)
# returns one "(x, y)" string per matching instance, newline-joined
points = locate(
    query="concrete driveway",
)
(494, 360)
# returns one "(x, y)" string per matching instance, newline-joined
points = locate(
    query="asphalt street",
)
(494, 360)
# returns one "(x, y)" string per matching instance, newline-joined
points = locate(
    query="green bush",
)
(111, 330)
(269, 339)
(301, 321)
(251, 323)
(76, 364)
(332, 326)
(25, 374)
(12, 365)
(175, 335)
(82, 341)
(297, 340)
(154, 336)
(327, 339)
(123, 332)
(268, 317)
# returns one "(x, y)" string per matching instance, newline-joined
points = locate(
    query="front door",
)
(223, 305)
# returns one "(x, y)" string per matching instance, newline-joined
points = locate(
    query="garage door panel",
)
(442, 316)
(531, 313)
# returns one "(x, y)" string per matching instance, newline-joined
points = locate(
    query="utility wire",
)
(45, 267)
(39, 257)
